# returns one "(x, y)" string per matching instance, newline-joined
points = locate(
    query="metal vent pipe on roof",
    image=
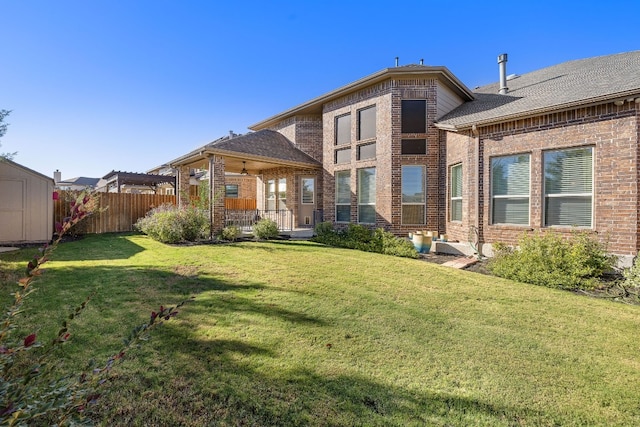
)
(397, 58)
(502, 61)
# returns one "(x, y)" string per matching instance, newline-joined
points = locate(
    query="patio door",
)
(307, 205)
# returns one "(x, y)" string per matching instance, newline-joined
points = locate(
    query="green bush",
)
(359, 237)
(231, 233)
(171, 224)
(265, 229)
(632, 274)
(548, 259)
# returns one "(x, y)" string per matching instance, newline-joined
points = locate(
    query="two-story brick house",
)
(412, 148)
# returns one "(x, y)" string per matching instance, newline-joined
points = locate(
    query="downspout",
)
(475, 235)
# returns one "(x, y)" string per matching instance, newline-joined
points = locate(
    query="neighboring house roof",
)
(314, 106)
(562, 86)
(81, 181)
(262, 146)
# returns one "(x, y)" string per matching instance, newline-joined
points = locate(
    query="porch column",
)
(217, 188)
(182, 192)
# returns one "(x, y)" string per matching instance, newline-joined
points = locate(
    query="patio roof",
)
(255, 151)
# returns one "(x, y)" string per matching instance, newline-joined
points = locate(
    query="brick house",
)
(411, 148)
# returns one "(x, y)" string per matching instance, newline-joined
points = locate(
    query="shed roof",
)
(562, 86)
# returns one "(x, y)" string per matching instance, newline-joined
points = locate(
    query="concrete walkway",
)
(461, 262)
(7, 249)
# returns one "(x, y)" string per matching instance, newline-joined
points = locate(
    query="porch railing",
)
(245, 219)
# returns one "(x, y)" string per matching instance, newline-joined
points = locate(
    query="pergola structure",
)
(118, 179)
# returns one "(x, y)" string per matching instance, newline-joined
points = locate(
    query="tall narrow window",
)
(343, 129)
(568, 187)
(308, 191)
(414, 116)
(367, 123)
(367, 195)
(343, 196)
(282, 193)
(455, 206)
(510, 189)
(271, 195)
(413, 195)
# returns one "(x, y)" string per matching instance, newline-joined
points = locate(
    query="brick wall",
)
(612, 131)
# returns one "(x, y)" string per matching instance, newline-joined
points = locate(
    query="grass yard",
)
(294, 333)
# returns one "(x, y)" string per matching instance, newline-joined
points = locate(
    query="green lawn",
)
(294, 333)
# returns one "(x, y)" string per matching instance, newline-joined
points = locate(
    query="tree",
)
(3, 130)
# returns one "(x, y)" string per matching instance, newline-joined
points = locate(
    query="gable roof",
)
(563, 86)
(264, 145)
(314, 106)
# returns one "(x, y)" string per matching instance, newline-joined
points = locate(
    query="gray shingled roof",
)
(565, 85)
(264, 143)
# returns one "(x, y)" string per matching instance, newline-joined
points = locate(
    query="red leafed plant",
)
(28, 393)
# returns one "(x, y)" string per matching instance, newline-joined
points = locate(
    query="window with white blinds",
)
(413, 194)
(343, 196)
(568, 187)
(510, 189)
(367, 195)
(455, 205)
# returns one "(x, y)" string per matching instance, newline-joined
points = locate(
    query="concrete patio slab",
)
(460, 262)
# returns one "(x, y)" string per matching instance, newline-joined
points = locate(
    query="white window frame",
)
(590, 194)
(523, 196)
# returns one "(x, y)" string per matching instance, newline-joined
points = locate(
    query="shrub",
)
(548, 259)
(265, 229)
(172, 224)
(231, 233)
(358, 237)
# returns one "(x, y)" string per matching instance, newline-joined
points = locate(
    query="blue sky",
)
(96, 86)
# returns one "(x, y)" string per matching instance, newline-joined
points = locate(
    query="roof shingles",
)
(560, 86)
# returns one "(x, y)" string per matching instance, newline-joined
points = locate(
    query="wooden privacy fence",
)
(118, 212)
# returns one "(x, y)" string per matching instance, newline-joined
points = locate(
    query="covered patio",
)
(286, 180)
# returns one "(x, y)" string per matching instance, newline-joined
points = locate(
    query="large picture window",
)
(413, 194)
(455, 205)
(367, 123)
(510, 189)
(343, 129)
(367, 195)
(343, 196)
(568, 187)
(414, 116)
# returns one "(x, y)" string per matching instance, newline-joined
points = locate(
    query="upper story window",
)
(342, 156)
(343, 129)
(366, 151)
(367, 123)
(414, 116)
(568, 187)
(510, 189)
(413, 146)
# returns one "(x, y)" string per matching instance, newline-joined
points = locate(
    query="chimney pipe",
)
(502, 61)
(397, 58)
(422, 62)
(57, 176)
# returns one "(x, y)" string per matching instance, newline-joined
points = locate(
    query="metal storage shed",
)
(26, 204)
